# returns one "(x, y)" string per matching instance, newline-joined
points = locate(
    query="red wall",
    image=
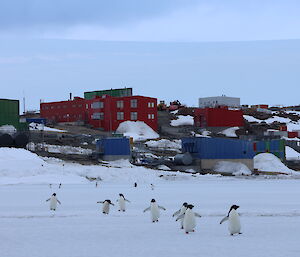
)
(71, 111)
(218, 117)
(64, 111)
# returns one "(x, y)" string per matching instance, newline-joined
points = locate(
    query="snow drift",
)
(138, 130)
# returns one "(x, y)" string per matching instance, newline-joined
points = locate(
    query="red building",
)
(105, 111)
(218, 117)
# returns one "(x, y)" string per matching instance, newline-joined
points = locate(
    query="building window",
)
(120, 115)
(133, 115)
(97, 105)
(86, 106)
(74, 105)
(133, 103)
(79, 105)
(98, 116)
(150, 105)
(120, 104)
(52, 107)
(58, 107)
(150, 116)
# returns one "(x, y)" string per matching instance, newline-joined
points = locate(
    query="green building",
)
(119, 92)
(9, 112)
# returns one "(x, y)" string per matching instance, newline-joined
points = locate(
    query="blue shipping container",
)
(114, 146)
(218, 148)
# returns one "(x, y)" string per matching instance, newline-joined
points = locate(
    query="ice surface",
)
(270, 218)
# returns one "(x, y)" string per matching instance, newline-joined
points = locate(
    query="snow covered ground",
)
(138, 130)
(270, 219)
(182, 120)
(270, 211)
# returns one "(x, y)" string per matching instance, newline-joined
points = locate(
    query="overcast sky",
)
(182, 49)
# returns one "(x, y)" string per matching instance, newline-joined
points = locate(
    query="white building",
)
(219, 101)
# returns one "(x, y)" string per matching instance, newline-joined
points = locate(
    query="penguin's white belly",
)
(122, 205)
(234, 225)
(105, 208)
(155, 213)
(53, 204)
(189, 222)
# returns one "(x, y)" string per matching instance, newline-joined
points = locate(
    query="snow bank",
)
(8, 129)
(63, 149)
(21, 166)
(235, 168)
(165, 144)
(269, 162)
(138, 130)
(41, 127)
(291, 154)
(230, 132)
(291, 125)
(183, 121)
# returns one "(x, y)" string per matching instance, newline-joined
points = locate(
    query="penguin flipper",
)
(100, 202)
(197, 215)
(176, 213)
(224, 219)
(161, 207)
(48, 200)
(147, 209)
(127, 200)
(58, 201)
(180, 217)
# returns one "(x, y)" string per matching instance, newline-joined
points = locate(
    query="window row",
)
(120, 116)
(51, 107)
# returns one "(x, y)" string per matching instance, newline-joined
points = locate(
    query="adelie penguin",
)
(122, 202)
(189, 220)
(234, 224)
(105, 206)
(53, 202)
(154, 209)
(180, 212)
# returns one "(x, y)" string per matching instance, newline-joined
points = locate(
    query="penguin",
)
(53, 202)
(122, 202)
(152, 186)
(234, 225)
(180, 212)
(189, 221)
(154, 208)
(105, 207)
(135, 184)
(96, 184)
(59, 185)
(50, 185)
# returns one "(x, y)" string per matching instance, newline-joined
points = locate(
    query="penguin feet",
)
(119, 210)
(231, 234)
(181, 227)
(193, 230)
(186, 232)
(153, 221)
(240, 233)
(123, 210)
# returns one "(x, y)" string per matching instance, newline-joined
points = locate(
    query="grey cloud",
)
(15, 14)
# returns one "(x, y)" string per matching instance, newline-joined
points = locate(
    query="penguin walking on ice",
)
(105, 206)
(53, 202)
(59, 185)
(180, 212)
(122, 202)
(234, 224)
(154, 209)
(189, 220)
(152, 186)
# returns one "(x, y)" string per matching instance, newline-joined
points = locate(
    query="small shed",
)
(113, 148)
